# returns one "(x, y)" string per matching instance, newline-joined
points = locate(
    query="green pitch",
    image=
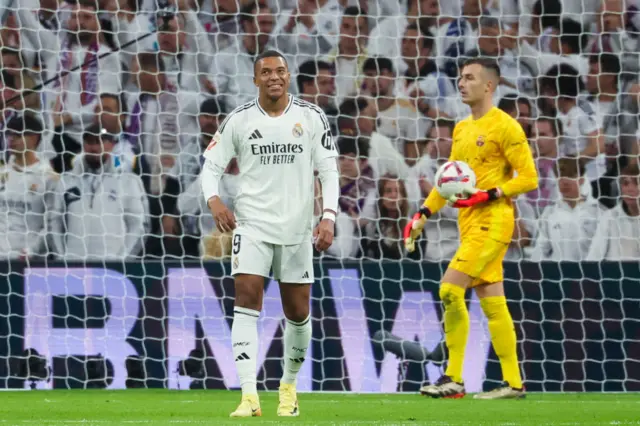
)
(161, 407)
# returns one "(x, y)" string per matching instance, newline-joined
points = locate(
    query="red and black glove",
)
(477, 197)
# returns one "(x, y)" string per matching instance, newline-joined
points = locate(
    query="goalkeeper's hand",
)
(414, 228)
(475, 196)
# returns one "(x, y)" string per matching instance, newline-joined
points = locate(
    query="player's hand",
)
(413, 229)
(475, 196)
(323, 234)
(225, 220)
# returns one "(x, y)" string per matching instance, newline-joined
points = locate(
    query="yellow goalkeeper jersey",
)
(495, 147)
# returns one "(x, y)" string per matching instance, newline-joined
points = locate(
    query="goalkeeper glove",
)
(413, 229)
(476, 196)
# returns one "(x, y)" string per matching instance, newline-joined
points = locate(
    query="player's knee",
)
(249, 292)
(451, 295)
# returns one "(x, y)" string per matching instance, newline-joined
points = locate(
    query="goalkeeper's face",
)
(475, 84)
(272, 77)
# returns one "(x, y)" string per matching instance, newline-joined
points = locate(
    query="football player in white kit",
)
(278, 141)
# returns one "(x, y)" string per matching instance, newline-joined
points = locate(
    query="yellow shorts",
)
(480, 259)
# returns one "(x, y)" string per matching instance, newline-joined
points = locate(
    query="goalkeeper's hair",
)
(489, 64)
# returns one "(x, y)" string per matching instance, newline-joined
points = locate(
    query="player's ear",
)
(255, 81)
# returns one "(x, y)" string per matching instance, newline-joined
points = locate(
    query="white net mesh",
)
(107, 106)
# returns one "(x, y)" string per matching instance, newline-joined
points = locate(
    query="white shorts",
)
(290, 264)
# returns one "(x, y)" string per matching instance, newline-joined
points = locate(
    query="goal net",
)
(113, 272)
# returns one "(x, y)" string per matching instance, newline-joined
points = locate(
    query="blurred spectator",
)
(566, 42)
(545, 152)
(157, 118)
(309, 30)
(232, 68)
(396, 118)
(346, 242)
(524, 231)
(429, 88)
(12, 62)
(538, 25)
(111, 115)
(518, 108)
(357, 179)
(185, 49)
(221, 20)
(441, 230)
(185, 172)
(386, 38)
(582, 135)
(383, 234)
(316, 84)
(132, 27)
(358, 118)
(349, 56)
(71, 99)
(101, 211)
(27, 188)
(567, 226)
(618, 234)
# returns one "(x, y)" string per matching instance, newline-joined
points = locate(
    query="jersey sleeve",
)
(321, 137)
(517, 152)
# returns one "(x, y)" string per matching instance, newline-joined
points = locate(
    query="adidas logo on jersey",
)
(255, 135)
(243, 356)
(305, 275)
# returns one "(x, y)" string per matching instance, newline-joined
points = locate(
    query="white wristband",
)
(329, 215)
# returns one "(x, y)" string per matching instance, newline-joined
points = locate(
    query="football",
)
(453, 177)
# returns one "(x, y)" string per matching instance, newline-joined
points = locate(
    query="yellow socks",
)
(503, 337)
(456, 327)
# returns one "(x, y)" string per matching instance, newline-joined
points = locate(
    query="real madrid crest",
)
(480, 140)
(297, 130)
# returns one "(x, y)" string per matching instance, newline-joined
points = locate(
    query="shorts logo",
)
(235, 263)
(297, 130)
(480, 140)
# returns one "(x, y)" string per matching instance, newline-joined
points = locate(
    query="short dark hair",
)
(269, 54)
(490, 64)
(7, 79)
(631, 170)
(510, 102)
(564, 80)
(120, 97)
(308, 72)
(445, 122)
(354, 11)
(25, 123)
(549, 12)
(607, 62)
(350, 108)
(555, 124)
(210, 106)
(570, 167)
(378, 64)
(358, 146)
(572, 34)
(424, 35)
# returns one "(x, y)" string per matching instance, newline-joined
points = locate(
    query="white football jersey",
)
(26, 196)
(276, 158)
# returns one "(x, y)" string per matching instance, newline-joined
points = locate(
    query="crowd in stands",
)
(103, 162)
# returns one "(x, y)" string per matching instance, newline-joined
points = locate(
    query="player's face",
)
(474, 84)
(272, 77)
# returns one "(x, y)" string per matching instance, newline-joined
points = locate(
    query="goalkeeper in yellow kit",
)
(495, 146)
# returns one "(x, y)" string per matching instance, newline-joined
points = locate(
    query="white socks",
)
(297, 336)
(244, 337)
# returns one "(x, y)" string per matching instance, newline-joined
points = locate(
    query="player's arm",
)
(518, 154)
(324, 160)
(217, 156)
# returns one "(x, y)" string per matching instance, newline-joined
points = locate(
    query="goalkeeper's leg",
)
(244, 336)
(456, 329)
(503, 338)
